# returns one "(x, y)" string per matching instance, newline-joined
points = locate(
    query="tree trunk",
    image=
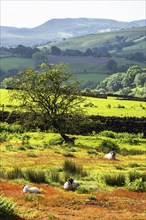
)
(68, 140)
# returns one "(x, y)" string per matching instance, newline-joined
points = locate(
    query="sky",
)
(32, 13)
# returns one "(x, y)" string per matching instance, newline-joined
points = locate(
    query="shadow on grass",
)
(11, 218)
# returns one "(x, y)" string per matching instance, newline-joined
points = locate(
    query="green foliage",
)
(7, 207)
(50, 95)
(133, 164)
(16, 173)
(9, 147)
(107, 145)
(54, 176)
(114, 179)
(3, 137)
(56, 141)
(31, 197)
(71, 168)
(133, 175)
(25, 139)
(32, 154)
(126, 83)
(109, 134)
(83, 190)
(35, 176)
(13, 128)
(52, 216)
(137, 185)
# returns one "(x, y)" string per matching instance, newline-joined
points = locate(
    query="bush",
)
(12, 128)
(56, 141)
(2, 174)
(16, 173)
(25, 139)
(133, 175)
(7, 206)
(137, 185)
(35, 176)
(3, 137)
(109, 134)
(114, 180)
(82, 190)
(107, 145)
(75, 169)
(54, 176)
(132, 165)
(31, 154)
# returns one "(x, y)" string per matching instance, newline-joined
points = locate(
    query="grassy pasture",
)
(16, 63)
(42, 152)
(98, 106)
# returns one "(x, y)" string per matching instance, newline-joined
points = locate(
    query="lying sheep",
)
(110, 156)
(71, 184)
(35, 190)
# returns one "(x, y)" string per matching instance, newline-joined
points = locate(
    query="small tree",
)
(50, 95)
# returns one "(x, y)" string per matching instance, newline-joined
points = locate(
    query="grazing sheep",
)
(35, 190)
(110, 156)
(71, 184)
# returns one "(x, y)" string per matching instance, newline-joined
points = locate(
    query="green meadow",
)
(16, 63)
(94, 106)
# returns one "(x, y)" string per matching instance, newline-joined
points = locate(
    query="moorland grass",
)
(7, 207)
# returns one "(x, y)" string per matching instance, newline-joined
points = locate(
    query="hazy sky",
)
(31, 13)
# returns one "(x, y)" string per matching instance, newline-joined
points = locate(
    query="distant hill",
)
(129, 39)
(58, 29)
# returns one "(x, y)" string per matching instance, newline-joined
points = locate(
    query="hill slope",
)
(136, 36)
(57, 29)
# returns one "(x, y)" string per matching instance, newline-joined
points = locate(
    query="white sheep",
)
(35, 190)
(110, 156)
(71, 184)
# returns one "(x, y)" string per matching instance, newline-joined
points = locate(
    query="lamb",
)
(110, 156)
(34, 190)
(71, 184)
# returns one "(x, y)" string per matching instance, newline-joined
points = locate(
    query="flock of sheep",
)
(70, 184)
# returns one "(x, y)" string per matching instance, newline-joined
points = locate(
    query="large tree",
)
(50, 95)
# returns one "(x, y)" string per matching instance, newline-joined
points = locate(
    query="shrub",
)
(75, 169)
(25, 139)
(16, 173)
(2, 174)
(54, 176)
(109, 134)
(35, 176)
(7, 206)
(132, 165)
(9, 147)
(31, 154)
(92, 153)
(52, 216)
(56, 141)
(68, 154)
(114, 180)
(12, 128)
(82, 190)
(108, 145)
(30, 197)
(137, 185)
(3, 137)
(133, 175)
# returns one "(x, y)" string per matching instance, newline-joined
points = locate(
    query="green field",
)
(99, 106)
(15, 63)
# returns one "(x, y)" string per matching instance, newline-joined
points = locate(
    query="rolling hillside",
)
(58, 29)
(135, 35)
